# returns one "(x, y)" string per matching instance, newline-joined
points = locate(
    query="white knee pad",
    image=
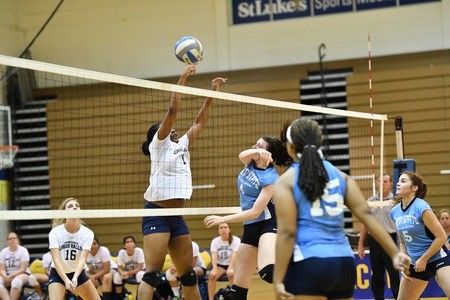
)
(32, 280)
(117, 279)
(139, 276)
(17, 283)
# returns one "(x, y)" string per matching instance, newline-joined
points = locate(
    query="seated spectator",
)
(98, 270)
(199, 268)
(223, 253)
(444, 219)
(131, 264)
(40, 278)
(14, 260)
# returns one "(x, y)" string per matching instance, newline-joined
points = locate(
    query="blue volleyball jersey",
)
(250, 181)
(417, 236)
(320, 225)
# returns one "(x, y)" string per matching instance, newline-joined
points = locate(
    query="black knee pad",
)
(160, 283)
(189, 278)
(266, 273)
(237, 293)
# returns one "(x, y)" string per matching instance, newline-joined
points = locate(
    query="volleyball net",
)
(80, 133)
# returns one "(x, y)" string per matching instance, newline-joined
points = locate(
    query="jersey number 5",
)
(71, 254)
(332, 203)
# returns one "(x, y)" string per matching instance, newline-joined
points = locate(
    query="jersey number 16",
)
(71, 254)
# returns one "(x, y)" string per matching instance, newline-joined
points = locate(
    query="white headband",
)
(288, 135)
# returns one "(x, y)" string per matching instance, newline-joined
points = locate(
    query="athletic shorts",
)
(430, 270)
(54, 277)
(175, 225)
(332, 277)
(225, 267)
(252, 232)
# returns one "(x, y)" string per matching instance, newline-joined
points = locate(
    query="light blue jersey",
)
(250, 181)
(320, 225)
(417, 236)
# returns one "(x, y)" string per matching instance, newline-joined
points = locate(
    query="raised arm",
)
(174, 107)
(203, 114)
(261, 157)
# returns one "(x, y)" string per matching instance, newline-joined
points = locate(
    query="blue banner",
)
(250, 11)
(363, 276)
(371, 4)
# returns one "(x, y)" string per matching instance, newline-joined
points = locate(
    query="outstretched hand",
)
(189, 70)
(211, 221)
(218, 82)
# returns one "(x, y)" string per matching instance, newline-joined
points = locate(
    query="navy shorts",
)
(223, 267)
(54, 277)
(175, 225)
(333, 277)
(252, 232)
(430, 270)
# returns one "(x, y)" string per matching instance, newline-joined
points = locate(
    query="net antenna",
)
(323, 94)
(7, 150)
(371, 129)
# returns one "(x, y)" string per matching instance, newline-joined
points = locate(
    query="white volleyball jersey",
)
(13, 259)
(129, 262)
(95, 262)
(47, 261)
(196, 253)
(224, 249)
(70, 245)
(170, 176)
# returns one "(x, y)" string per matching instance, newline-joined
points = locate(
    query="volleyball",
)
(188, 50)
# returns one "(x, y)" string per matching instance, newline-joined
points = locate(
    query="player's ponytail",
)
(306, 136)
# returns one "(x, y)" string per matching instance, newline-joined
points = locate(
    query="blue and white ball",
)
(188, 50)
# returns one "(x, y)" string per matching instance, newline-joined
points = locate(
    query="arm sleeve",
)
(120, 258)
(52, 239)
(268, 177)
(88, 240)
(195, 249)
(422, 207)
(24, 254)
(213, 247)
(106, 255)
(185, 140)
(140, 256)
(235, 244)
